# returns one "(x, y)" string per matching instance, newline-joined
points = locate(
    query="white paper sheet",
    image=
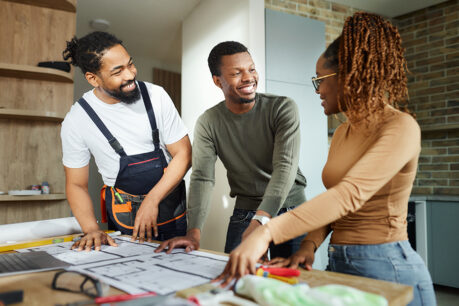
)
(24, 231)
(135, 268)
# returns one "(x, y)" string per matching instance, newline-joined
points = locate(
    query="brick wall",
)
(332, 14)
(431, 39)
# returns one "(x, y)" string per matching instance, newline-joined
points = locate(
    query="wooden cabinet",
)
(33, 102)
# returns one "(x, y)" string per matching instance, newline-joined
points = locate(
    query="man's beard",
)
(128, 97)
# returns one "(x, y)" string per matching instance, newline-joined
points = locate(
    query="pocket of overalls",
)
(173, 207)
(143, 166)
(125, 207)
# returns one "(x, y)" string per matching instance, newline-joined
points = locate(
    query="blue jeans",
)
(240, 220)
(395, 262)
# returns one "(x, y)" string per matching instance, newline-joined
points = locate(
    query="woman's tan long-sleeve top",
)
(369, 176)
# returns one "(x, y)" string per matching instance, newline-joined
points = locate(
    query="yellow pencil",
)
(31, 244)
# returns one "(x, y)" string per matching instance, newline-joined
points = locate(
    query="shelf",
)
(6, 113)
(63, 5)
(445, 127)
(41, 197)
(35, 73)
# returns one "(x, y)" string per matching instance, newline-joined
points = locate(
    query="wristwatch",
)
(262, 219)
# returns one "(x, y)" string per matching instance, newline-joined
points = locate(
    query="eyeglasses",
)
(79, 283)
(316, 81)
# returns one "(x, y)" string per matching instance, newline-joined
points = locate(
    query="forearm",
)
(316, 237)
(198, 202)
(194, 233)
(82, 208)
(172, 176)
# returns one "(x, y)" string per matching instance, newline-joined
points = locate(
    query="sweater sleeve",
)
(203, 175)
(396, 145)
(285, 157)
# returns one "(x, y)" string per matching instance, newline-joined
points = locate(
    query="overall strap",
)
(111, 139)
(150, 113)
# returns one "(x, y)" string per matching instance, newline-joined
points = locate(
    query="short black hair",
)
(331, 54)
(87, 51)
(223, 48)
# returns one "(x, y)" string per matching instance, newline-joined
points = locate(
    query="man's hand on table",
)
(93, 239)
(190, 242)
(304, 257)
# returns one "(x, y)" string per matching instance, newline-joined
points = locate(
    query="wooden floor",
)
(447, 296)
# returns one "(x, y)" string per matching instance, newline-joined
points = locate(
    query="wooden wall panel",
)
(31, 34)
(172, 84)
(30, 150)
(13, 212)
(36, 95)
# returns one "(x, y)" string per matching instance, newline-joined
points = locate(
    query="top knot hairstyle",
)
(87, 51)
(371, 67)
(224, 48)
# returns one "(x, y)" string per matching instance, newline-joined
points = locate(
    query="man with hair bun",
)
(257, 137)
(134, 133)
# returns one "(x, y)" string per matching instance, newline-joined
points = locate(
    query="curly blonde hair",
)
(371, 68)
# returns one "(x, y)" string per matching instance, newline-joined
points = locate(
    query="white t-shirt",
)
(128, 123)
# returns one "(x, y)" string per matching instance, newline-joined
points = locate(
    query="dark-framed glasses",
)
(316, 81)
(79, 283)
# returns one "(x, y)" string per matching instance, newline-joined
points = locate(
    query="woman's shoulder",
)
(400, 119)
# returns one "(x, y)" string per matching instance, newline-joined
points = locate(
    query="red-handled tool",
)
(285, 272)
(121, 297)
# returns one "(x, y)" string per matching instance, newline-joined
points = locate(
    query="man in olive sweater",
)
(257, 137)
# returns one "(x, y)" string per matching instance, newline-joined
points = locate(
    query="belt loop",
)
(404, 248)
(344, 248)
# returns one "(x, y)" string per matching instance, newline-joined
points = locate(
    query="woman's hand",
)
(243, 259)
(304, 257)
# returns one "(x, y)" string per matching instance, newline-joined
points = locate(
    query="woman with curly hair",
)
(370, 169)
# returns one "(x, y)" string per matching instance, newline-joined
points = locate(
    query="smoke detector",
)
(99, 24)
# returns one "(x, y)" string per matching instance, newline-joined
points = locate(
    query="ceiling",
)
(389, 8)
(148, 28)
(152, 28)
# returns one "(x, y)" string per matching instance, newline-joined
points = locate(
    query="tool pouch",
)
(121, 207)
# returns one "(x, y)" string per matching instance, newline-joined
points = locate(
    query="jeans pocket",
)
(377, 268)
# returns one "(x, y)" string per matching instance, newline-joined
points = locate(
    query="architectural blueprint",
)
(135, 268)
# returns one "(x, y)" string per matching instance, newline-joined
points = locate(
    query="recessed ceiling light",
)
(99, 24)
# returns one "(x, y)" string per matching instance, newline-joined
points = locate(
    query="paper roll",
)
(38, 229)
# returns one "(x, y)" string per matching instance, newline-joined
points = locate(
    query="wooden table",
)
(38, 291)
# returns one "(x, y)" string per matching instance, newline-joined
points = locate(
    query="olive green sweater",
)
(260, 151)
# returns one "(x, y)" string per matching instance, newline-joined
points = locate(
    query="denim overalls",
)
(137, 175)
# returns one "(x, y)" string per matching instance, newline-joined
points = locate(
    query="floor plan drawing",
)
(135, 268)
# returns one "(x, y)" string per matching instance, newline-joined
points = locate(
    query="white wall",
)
(212, 22)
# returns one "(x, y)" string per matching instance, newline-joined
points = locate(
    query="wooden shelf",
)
(35, 73)
(445, 127)
(40, 197)
(6, 113)
(63, 5)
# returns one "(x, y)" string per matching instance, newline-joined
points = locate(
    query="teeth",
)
(248, 89)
